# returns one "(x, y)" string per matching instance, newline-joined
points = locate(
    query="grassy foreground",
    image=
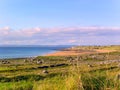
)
(100, 71)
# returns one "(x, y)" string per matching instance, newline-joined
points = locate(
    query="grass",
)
(75, 78)
(78, 76)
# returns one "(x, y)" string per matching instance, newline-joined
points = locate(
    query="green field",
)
(100, 71)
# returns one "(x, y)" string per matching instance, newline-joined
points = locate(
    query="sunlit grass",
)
(77, 76)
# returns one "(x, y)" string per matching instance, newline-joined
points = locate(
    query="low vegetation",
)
(100, 71)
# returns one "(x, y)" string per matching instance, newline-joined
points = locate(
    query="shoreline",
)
(65, 52)
(30, 53)
(74, 53)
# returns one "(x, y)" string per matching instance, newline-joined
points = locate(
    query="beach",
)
(73, 52)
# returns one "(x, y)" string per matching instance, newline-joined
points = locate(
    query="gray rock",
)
(45, 71)
(39, 62)
(90, 65)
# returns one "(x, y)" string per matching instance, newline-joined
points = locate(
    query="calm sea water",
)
(27, 51)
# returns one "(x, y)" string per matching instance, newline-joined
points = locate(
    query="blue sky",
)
(82, 22)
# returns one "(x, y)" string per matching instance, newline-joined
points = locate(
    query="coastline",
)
(13, 52)
(71, 51)
(74, 53)
(66, 53)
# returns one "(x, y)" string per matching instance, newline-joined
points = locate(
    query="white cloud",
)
(62, 35)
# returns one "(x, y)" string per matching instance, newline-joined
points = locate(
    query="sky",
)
(59, 22)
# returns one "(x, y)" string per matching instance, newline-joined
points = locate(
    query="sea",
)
(29, 51)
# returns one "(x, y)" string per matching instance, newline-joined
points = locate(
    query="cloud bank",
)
(91, 35)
